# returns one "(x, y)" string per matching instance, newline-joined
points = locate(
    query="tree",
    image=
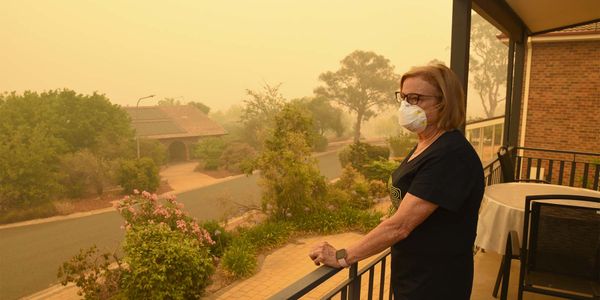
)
(141, 174)
(28, 173)
(325, 117)
(201, 106)
(364, 85)
(260, 109)
(168, 102)
(289, 175)
(36, 130)
(487, 64)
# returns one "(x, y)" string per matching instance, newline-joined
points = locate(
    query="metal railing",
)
(347, 289)
(576, 169)
(492, 172)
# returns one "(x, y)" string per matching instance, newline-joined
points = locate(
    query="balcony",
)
(370, 279)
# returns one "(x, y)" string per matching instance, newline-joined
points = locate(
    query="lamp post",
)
(137, 137)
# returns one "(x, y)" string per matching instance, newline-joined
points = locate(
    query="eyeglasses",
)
(413, 98)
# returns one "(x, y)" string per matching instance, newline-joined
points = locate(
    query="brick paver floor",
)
(290, 263)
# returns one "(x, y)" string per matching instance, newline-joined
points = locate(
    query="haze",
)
(208, 51)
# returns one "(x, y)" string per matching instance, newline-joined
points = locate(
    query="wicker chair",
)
(560, 254)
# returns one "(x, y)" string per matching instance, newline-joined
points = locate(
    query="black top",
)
(448, 173)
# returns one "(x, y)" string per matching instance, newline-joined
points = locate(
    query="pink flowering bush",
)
(145, 208)
(167, 255)
(167, 252)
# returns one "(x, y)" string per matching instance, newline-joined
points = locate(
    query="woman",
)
(439, 187)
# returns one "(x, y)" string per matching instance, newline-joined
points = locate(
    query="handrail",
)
(306, 283)
(362, 271)
(559, 151)
(313, 279)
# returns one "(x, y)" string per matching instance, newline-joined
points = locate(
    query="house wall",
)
(563, 100)
(564, 96)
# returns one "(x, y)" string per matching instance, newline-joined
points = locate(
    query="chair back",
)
(562, 239)
(507, 164)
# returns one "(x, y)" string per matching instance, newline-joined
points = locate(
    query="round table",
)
(503, 207)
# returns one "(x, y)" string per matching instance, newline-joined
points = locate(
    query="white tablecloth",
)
(503, 207)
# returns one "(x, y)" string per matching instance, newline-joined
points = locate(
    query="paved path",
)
(290, 263)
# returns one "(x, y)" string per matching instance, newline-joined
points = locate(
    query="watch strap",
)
(342, 262)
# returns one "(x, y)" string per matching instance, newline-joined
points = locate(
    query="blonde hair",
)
(452, 110)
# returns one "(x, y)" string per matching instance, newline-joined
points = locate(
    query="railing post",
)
(354, 288)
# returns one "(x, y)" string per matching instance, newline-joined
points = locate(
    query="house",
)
(177, 127)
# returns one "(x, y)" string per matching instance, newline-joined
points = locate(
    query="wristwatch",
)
(341, 255)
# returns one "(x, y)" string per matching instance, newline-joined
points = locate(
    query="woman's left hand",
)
(324, 253)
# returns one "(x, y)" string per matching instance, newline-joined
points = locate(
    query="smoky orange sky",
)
(208, 51)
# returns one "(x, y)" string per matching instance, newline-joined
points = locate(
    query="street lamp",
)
(137, 137)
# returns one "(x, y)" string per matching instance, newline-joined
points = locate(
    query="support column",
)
(517, 95)
(460, 43)
(509, 90)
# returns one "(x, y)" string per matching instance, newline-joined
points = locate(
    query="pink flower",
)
(204, 235)
(154, 197)
(136, 191)
(146, 195)
(181, 225)
(171, 197)
(131, 210)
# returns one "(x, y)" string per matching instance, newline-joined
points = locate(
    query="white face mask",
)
(412, 117)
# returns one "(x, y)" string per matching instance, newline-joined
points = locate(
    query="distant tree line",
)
(59, 144)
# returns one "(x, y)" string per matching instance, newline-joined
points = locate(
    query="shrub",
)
(138, 174)
(378, 189)
(319, 143)
(219, 235)
(209, 149)
(92, 274)
(147, 209)
(83, 171)
(166, 253)
(375, 152)
(357, 187)
(268, 235)
(154, 150)
(380, 170)
(289, 175)
(332, 220)
(164, 264)
(360, 154)
(337, 197)
(211, 164)
(240, 258)
(41, 210)
(237, 156)
(401, 144)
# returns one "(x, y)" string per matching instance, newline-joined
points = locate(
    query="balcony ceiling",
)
(532, 17)
(547, 15)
